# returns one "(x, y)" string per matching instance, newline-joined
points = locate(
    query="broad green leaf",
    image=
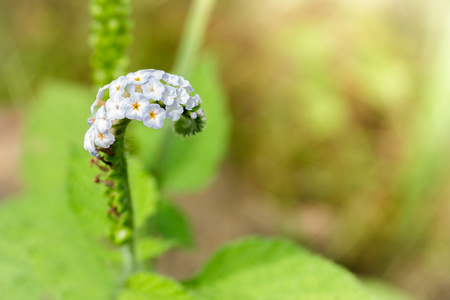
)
(55, 123)
(186, 164)
(17, 280)
(43, 250)
(150, 247)
(42, 247)
(383, 291)
(257, 268)
(152, 286)
(144, 191)
(68, 264)
(170, 223)
(86, 197)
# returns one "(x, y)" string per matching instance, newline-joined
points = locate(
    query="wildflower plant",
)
(148, 96)
(74, 260)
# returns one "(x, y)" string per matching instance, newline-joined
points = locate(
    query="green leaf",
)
(382, 291)
(43, 250)
(55, 123)
(17, 280)
(170, 223)
(186, 126)
(151, 286)
(150, 247)
(257, 268)
(86, 197)
(187, 164)
(144, 192)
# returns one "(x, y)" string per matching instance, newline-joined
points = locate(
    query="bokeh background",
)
(340, 122)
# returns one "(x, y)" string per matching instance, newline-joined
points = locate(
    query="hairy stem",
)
(119, 198)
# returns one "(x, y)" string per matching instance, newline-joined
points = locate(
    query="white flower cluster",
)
(150, 96)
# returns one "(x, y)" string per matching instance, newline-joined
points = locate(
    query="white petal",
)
(154, 116)
(118, 86)
(115, 107)
(182, 96)
(102, 123)
(153, 89)
(139, 77)
(174, 111)
(169, 95)
(105, 139)
(89, 140)
(158, 74)
(191, 103)
(171, 79)
(137, 103)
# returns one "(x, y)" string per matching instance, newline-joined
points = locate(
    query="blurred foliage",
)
(52, 256)
(260, 269)
(338, 107)
(382, 291)
(109, 39)
(152, 286)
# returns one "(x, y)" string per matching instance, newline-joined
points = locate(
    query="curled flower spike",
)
(150, 96)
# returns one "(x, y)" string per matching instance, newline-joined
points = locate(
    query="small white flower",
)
(186, 85)
(189, 89)
(118, 86)
(169, 95)
(174, 111)
(153, 89)
(89, 139)
(200, 101)
(139, 96)
(135, 106)
(139, 77)
(104, 139)
(98, 102)
(182, 96)
(154, 116)
(100, 93)
(171, 79)
(191, 103)
(115, 107)
(130, 89)
(158, 74)
(99, 97)
(102, 123)
(90, 121)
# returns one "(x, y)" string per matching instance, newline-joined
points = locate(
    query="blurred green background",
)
(340, 117)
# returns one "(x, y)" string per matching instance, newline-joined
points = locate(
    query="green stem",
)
(191, 40)
(193, 34)
(121, 206)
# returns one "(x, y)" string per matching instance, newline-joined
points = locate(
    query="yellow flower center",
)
(152, 115)
(137, 79)
(118, 88)
(100, 136)
(136, 106)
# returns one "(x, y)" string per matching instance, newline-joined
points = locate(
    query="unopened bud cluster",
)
(150, 96)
